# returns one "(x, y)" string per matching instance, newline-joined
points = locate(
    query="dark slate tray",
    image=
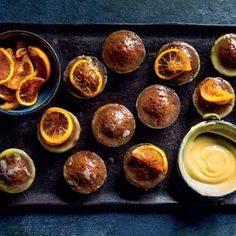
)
(69, 41)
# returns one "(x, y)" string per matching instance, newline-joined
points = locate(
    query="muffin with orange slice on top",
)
(58, 130)
(145, 165)
(214, 95)
(177, 62)
(85, 77)
(22, 74)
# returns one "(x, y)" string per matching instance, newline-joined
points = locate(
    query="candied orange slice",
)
(27, 93)
(10, 51)
(6, 66)
(41, 62)
(21, 52)
(23, 68)
(10, 105)
(151, 156)
(171, 63)
(85, 78)
(56, 126)
(7, 94)
(213, 90)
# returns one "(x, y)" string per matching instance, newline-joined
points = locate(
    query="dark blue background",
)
(163, 222)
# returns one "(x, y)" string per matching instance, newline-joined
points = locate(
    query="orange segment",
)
(86, 78)
(41, 62)
(212, 90)
(171, 63)
(10, 105)
(23, 68)
(151, 155)
(27, 93)
(56, 126)
(6, 66)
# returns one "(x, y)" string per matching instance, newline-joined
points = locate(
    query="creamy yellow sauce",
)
(211, 159)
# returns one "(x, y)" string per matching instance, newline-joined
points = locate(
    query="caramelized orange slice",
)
(10, 51)
(23, 68)
(21, 52)
(213, 90)
(171, 63)
(27, 93)
(41, 62)
(56, 126)
(7, 94)
(10, 105)
(6, 66)
(151, 156)
(85, 78)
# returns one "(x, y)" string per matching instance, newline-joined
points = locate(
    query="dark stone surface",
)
(156, 222)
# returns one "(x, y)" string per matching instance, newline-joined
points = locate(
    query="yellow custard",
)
(211, 159)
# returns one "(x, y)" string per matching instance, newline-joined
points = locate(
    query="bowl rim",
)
(180, 157)
(54, 90)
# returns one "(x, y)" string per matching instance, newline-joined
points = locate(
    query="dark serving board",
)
(69, 41)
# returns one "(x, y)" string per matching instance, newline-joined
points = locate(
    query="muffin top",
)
(14, 170)
(85, 172)
(158, 106)
(227, 52)
(123, 51)
(113, 125)
(17, 171)
(223, 55)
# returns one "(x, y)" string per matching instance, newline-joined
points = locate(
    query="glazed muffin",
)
(223, 55)
(113, 125)
(17, 171)
(85, 77)
(177, 63)
(145, 165)
(123, 51)
(58, 130)
(214, 95)
(85, 172)
(158, 106)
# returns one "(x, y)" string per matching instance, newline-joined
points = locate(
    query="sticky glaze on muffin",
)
(85, 172)
(123, 51)
(113, 125)
(158, 106)
(17, 171)
(145, 165)
(221, 108)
